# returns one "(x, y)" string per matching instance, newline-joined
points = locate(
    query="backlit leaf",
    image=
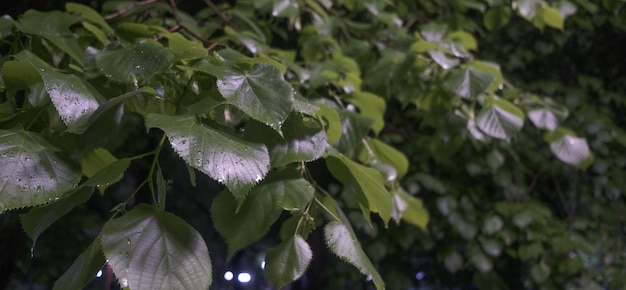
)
(467, 83)
(237, 163)
(552, 17)
(133, 65)
(287, 261)
(30, 173)
(497, 17)
(500, 119)
(415, 212)
(386, 154)
(83, 269)
(69, 94)
(90, 15)
(342, 241)
(371, 106)
(152, 249)
(332, 122)
(245, 223)
(366, 182)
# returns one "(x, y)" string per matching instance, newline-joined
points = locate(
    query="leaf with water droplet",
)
(70, 95)
(165, 252)
(228, 159)
(261, 92)
(52, 176)
(133, 65)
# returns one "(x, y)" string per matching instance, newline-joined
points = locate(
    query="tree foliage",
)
(396, 101)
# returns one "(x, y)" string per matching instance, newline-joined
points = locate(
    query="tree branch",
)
(128, 8)
(217, 11)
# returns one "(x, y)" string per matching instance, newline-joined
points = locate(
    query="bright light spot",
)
(244, 277)
(420, 275)
(99, 274)
(368, 278)
(228, 275)
(263, 265)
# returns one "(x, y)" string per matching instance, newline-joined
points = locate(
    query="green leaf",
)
(262, 93)
(30, 173)
(103, 168)
(90, 15)
(304, 140)
(467, 83)
(492, 69)
(53, 26)
(237, 163)
(467, 40)
(38, 219)
(527, 8)
(83, 269)
(552, 17)
(184, 48)
(332, 123)
(134, 65)
(287, 261)
(153, 249)
(371, 106)
(570, 149)
(19, 75)
(540, 271)
(244, 223)
(443, 60)
(415, 212)
(69, 94)
(354, 128)
(500, 119)
(342, 241)
(497, 17)
(385, 154)
(367, 183)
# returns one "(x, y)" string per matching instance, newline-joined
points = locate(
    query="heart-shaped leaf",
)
(237, 163)
(245, 223)
(342, 241)
(500, 119)
(30, 173)
(69, 94)
(570, 149)
(153, 249)
(467, 83)
(133, 65)
(543, 119)
(287, 261)
(366, 182)
(84, 268)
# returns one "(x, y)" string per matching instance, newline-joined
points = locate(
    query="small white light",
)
(420, 275)
(263, 265)
(228, 275)
(99, 274)
(244, 277)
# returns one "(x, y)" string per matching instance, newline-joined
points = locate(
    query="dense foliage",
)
(335, 120)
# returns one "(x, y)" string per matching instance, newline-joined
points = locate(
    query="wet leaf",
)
(237, 163)
(71, 97)
(30, 172)
(342, 241)
(152, 249)
(134, 65)
(288, 261)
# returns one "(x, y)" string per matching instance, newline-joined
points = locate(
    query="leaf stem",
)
(327, 210)
(302, 216)
(155, 161)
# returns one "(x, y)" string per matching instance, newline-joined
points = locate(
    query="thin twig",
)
(128, 8)
(217, 11)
